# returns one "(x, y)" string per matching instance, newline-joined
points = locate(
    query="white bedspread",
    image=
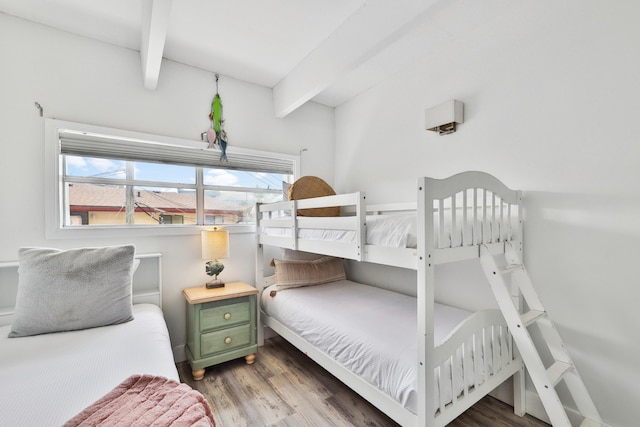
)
(371, 331)
(47, 379)
(396, 231)
(400, 231)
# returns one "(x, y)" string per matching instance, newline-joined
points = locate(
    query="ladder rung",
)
(590, 423)
(509, 268)
(557, 371)
(531, 316)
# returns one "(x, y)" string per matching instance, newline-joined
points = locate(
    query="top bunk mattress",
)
(47, 379)
(469, 208)
(395, 231)
(370, 331)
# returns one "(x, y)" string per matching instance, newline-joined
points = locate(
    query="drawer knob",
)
(227, 340)
(227, 316)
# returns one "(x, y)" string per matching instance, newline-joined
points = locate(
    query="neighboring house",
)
(105, 205)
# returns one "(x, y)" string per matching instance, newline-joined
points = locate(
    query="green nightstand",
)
(221, 325)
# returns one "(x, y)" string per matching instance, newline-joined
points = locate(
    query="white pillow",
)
(65, 290)
(396, 231)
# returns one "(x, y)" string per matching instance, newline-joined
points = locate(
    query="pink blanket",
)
(146, 400)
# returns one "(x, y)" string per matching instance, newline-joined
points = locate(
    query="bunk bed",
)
(454, 357)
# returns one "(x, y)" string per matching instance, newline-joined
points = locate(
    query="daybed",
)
(53, 367)
(420, 362)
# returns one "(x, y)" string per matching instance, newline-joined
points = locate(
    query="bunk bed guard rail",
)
(285, 224)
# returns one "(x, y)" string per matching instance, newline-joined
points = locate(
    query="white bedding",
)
(47, 379)
(397, 231)
(400, 231)
(371, 331)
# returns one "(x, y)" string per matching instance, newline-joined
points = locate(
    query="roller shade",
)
(86, 144)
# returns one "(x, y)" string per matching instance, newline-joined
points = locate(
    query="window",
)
(109, 178)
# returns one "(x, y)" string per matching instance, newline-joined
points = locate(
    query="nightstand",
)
(221, 325)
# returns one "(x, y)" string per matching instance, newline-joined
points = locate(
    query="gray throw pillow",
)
(65, 290)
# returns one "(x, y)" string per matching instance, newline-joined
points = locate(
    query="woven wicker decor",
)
(312, 186)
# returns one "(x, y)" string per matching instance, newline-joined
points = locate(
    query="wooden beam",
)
(155, 22)
(373, 27)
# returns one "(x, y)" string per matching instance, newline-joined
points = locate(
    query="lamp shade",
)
(215, 244)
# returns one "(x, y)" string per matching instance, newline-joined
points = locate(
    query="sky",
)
(115, 169)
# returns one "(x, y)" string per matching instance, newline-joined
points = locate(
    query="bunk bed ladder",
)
(545, 379)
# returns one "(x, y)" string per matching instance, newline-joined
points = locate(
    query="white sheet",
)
(371, 331)
(400, 231)
(47, 379)
(397, 231)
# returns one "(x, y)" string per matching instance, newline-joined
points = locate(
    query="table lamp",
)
(215, 244)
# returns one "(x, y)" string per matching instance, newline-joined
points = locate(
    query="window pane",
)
(160, 172)
(92, 205)
(95, 168)
(234, 207)
(116, 169)
(234, 178)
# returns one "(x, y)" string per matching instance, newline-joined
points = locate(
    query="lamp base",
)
(214, 284)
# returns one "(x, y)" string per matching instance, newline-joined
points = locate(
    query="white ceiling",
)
(327, 51)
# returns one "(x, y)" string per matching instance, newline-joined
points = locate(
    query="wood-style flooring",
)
(286, 388)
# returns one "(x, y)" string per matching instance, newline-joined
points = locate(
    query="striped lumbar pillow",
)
(296, 273)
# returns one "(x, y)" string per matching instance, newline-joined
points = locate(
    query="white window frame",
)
(54, 210)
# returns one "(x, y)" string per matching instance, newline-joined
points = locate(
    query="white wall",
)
(82, 80)
(551, 95)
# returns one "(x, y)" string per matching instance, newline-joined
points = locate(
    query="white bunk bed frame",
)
(465, 212)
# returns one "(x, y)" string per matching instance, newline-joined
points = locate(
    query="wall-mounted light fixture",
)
(443, 118)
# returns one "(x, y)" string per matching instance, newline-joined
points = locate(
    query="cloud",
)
(220, 177)
(104, 165)
(76, 162)
(89, 166)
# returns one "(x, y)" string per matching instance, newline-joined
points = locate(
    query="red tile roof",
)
(108, 197)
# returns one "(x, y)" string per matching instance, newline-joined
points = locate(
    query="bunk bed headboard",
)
(469, 209)
(456, 217)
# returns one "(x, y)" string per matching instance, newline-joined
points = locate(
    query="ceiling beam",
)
(371, 28)
(155, 22)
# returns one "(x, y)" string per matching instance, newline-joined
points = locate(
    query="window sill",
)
(142, 231)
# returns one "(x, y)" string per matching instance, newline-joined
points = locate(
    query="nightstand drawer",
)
(214, 315)
(226, 339)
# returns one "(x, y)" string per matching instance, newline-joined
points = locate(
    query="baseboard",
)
(269, 333)
(504, 392)
(179, 354)
(536, 409)
(533, 404)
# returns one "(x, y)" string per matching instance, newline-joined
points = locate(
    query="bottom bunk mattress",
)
(46, 380)
(370, 331)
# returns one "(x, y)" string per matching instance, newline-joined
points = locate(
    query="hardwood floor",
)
(286, 388)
